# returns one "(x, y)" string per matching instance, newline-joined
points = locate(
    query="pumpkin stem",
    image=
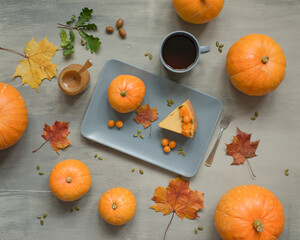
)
(258, 225)
(264, 59)
(69, 180)
(114, 206)
(123, 93)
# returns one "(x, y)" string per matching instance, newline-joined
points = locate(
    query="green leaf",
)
(71, 20)
(69, 49)
(92, 43)
(90, 26)
(64, 38)
(85, 15)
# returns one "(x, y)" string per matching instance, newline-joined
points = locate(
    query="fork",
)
(223, 125)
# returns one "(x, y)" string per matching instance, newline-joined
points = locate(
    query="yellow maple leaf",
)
(37, 66)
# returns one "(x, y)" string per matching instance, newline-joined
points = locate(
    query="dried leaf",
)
(56, 135)
(241, 148)
(146, 115)
(178, 198)
(37, 66)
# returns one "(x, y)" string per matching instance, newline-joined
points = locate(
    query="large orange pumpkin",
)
(70, 180)
(126, 93)
(13, 116)
(249, 212)
(256, 64)
(198, 11)
(117, 206)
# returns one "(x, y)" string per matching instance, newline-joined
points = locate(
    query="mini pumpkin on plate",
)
(249, 212)
(70, 180)
(126, 93)
(13, 116)
(117, 206)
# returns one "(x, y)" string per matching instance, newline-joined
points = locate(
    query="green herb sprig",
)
(89, 41)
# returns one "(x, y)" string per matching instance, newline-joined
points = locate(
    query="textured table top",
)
(24, 194)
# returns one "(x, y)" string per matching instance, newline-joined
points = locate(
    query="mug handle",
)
(204, 49)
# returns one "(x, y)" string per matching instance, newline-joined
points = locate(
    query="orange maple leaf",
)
(37, 65)
(178, 198)
(56, 135)
(241, 148)
(146, 115)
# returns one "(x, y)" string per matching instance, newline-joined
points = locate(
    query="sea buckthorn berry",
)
(187, 119)
(186, 132)
(172, 144)
(167, 149)
(165, 142)
(111, 123)
(119, 123)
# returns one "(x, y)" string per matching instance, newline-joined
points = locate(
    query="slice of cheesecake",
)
(182, 120)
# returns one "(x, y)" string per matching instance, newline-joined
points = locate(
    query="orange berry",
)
(111, 123)
(186, 119)
(172, 144)
(119, 123)
(186, 132)
(165, 142)
(167, 149)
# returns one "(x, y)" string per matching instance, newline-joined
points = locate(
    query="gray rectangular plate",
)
(158, 90)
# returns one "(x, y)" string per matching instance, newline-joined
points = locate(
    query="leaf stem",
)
(13, 51)
(66, 26)
(169, 225)
(253, 175)
(39, 147)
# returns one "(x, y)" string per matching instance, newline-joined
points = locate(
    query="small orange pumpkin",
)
(117, 206)
(256, 64)
(69, 180)
(13, 116)
(249, 212)
(198, 11)
(126, 93)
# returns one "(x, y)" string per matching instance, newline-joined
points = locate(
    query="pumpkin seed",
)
(132, 170)
(217, 43)
(45, 215)
(139, 131)
(286, 174)
(39, 217)
(142, 136)
(200, 228)
(256, 114)
(150, 56)
(72, 209)
(180, 149)
(169, 105)
(134, 135)
(253, 118)
(77, 208)
(183, 153)
(38, 167)
(196, 231)
(146, 54)
(179, 152)
(100, 158)
(286, 170)
(220, 49)
(41, 173)
(180, 106)
(221, 45)
(42, 222)
(169, 101)
(95, 155)
(141, 171)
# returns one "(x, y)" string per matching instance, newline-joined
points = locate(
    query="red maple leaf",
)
(146, 115)
(241, 148)
(56, 135)
(178, 198)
